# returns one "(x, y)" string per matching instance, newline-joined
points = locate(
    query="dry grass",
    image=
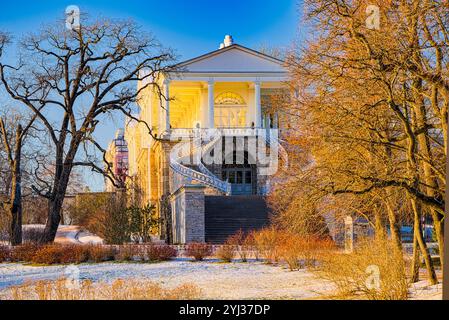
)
(375, 271)
(87, 290)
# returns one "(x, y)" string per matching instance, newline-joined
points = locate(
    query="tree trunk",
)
(62, 177)
(54, 208)
(417, 231)
(428, 174)
(416, 262)
(394, 226)
(16, 192)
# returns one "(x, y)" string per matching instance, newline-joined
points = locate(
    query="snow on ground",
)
(75, 234)
(67, 234)
(422, 291)
(70, 234)
(253, 280)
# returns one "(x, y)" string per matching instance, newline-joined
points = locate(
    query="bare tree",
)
(13, 142)
(72, 79)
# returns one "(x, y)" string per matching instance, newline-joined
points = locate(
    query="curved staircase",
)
(182, 151)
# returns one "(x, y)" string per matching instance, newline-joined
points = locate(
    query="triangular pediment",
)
(233, 59)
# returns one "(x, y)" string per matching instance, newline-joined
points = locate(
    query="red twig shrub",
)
(99, 253)
(24, 253)
(4, 254)
(198, 251)
(74, 254)
(71, 254)
(127, 252)
(49, 254)
(160, 252)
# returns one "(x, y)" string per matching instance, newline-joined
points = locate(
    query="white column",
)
(258, 113)
(167, 104)
(204, 108)
(211, 117)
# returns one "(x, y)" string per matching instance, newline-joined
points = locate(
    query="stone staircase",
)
(226, 215)
(198, 172)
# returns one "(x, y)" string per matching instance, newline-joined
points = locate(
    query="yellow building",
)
(207, 168)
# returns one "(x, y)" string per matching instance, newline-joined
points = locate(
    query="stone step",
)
(226, 215)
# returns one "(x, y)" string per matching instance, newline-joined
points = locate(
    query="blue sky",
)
(191, 27)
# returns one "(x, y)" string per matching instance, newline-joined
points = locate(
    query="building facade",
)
(117, 158)
(214, 144)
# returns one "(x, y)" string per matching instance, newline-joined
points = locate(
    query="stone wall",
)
(188, 217)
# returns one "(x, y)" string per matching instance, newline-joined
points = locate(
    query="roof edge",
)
(234, 46)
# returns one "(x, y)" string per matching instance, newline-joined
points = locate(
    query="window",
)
(248, 177)
(239, 177)
(230, 111)
(229, 99)
(231, 176)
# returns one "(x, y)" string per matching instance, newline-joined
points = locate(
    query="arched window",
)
(230, 111)
(229, 99)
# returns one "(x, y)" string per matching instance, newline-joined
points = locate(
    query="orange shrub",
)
(250, 244)
(315, 248)
(240, 244)
(291, 250)
(198, 251)
(226, 253)
(266, 242)
(296, 250)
